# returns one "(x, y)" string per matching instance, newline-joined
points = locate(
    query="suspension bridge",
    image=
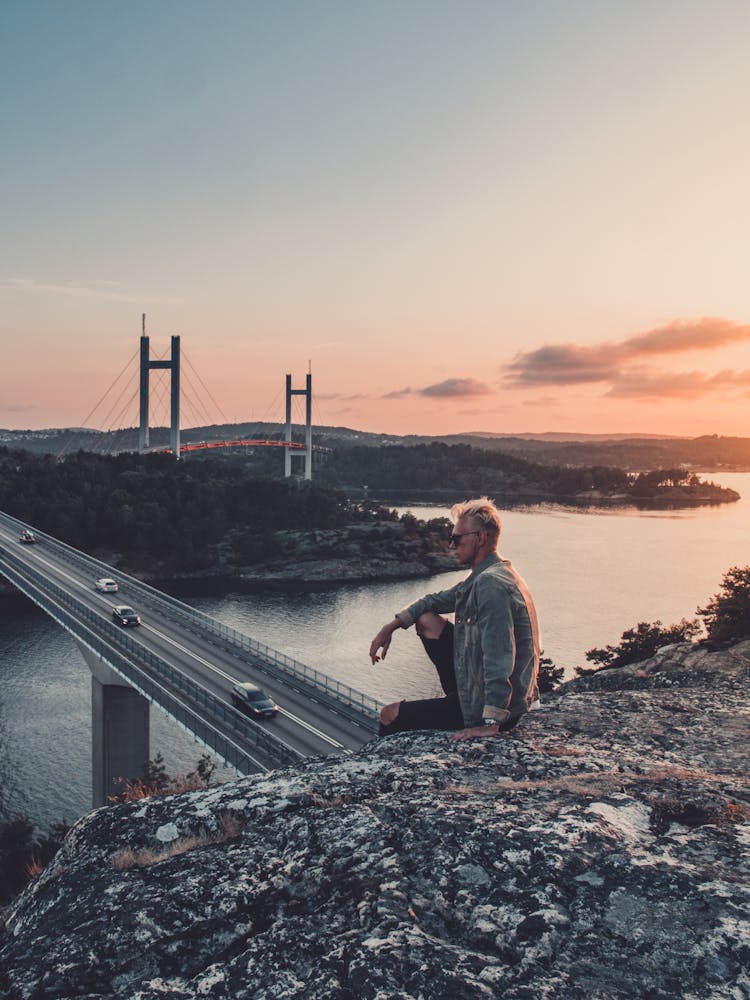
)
(178, 396)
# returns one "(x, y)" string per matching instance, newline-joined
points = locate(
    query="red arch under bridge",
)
(203, 445)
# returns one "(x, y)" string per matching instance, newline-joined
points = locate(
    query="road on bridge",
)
(307, 724)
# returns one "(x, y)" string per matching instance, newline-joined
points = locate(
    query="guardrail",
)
(73, 616)
(365, 710)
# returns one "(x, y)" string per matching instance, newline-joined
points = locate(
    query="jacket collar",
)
(489, 560)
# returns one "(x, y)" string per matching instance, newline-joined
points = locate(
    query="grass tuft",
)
(229, 828)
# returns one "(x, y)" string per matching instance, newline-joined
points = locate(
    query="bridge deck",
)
(186, 662)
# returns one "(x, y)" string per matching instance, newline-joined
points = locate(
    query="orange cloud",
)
(703, 334)
(571, 364)
(642, 383)
(574, 364)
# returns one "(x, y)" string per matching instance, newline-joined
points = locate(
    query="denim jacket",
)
(495, 642)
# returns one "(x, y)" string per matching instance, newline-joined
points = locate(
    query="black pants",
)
(433, 713)
(437, 713)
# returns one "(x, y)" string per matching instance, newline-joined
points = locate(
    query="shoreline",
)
(675, 498)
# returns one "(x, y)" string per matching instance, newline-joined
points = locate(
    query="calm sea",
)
(593, 574)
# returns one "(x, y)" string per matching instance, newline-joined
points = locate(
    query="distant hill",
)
(632, 452)
(569, 436)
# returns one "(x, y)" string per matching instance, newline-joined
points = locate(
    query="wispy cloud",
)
(340, 395)
(621, 363)
(451, 388)
(104, 291)
(541, 401)
(400, 393)
(15, 407)
(642, 383)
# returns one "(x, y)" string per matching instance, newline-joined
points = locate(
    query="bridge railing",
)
(73, 615)
(263, 657)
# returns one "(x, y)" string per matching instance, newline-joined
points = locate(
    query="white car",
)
(107, 585)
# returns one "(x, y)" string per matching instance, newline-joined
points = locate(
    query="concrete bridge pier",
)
(120, 729)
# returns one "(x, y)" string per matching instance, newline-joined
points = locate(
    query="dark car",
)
(28, 538)
(252, 700)
(124, 615)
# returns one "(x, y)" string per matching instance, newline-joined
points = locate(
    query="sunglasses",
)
(456, 539)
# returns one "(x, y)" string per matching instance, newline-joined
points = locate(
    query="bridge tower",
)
(174, 383)
(307, 393)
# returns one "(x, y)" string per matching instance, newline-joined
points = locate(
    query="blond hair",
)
(484, 514)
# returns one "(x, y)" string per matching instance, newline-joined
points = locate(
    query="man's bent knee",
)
(430, 625)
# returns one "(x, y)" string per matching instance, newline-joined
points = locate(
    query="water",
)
(592, 573)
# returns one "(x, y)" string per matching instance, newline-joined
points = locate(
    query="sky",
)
(479, 215)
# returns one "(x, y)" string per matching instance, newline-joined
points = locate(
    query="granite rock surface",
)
(601, 850)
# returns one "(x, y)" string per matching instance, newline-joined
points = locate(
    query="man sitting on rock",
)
(488, 660)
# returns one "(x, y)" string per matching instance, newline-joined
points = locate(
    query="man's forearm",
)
(381, 642)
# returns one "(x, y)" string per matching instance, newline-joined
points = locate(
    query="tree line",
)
(153, 510)
(468, 470)
(464, 468)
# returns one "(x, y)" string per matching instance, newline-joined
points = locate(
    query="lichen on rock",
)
(600, 850)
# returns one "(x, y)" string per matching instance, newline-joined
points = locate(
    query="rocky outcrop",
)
(389, 550)
(601, 850)
(361, 553)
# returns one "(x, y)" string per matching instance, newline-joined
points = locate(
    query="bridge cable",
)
(118, 434)
(110, 420)
(75, 437)
(196, 400)
(206, 389)
(191, 406)
(256, 425)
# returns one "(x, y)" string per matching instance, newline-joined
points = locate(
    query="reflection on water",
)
(592, 573)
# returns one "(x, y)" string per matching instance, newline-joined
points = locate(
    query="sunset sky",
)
(493, 216)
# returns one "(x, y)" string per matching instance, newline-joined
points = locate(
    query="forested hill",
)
(396, 471)
(708, 453)
(169, 517)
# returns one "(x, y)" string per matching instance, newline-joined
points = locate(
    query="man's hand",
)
(381, 642)
(475, 733)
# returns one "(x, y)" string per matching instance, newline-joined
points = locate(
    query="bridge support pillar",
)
(120, 729)
(173, 365)
(307, 393)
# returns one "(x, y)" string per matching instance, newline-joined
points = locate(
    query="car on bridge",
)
(107, 585)
(124, 615)
(28, 538)
(252, 700)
